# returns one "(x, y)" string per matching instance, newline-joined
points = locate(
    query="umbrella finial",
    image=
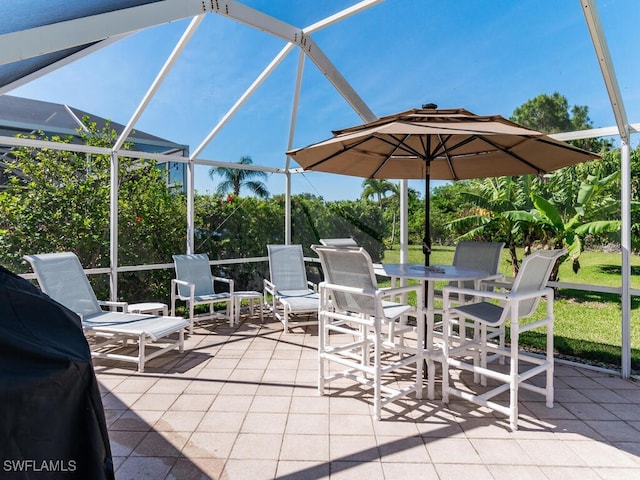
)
(429, 106)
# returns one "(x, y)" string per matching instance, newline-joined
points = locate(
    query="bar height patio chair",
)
(494, 309)
(478, 255)
(351, 304)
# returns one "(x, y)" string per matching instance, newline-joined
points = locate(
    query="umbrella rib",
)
(399, 145)
(454, 175)
(510, 153)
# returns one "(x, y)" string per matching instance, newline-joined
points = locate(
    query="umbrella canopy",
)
(443, 144)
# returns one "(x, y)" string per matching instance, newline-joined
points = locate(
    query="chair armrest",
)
(269, 287)
(222, 279)
(496, 281)
(332, 287)
(504, 296)
(391, 291)
(497, 277)
(378, 293)
(114, 305)
(228, 281)
(175, 290)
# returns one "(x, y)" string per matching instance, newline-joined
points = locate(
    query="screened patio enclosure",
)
(23, 116)
(39, 38)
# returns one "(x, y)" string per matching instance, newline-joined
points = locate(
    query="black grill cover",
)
(52, 422)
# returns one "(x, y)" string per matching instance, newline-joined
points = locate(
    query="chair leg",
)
(322, 345)
(365, 351)
(446, 332)
(141, 352)
(431, 368)
(513, 375)
(191, 320)
(285, 319)
(377, 380)
(549, 356)
(483, 356)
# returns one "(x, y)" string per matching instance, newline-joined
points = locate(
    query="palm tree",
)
(235, 178)
(374, 187)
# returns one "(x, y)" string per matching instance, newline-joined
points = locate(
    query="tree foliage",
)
(564, 208)
(552, 114)
(242, 227)
(59, 201)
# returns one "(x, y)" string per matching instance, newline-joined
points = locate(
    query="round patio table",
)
(428, 275)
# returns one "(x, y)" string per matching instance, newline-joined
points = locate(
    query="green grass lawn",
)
(587, 324)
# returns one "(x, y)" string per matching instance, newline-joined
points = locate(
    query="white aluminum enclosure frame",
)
(106, 28)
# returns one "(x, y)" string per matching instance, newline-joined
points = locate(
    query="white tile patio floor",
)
(241, 403)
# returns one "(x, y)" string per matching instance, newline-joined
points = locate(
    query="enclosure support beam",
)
(626, 258)
(164, 71)
(292, 131)
(191, 167)
(606, 66)
(113, 235)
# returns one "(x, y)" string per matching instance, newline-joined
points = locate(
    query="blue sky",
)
(487, 57)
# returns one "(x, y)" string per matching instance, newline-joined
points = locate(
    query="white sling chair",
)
(60, 275)
(496, 308)
(355, 318)
(195, 285)
(292, 295)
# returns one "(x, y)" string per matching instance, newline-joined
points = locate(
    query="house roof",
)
(20, 115)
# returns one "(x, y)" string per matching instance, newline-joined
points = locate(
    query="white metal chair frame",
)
(287, 292)
(195, 285)
(519, 303)
(365, 358)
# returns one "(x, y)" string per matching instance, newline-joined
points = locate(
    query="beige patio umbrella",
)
(441, 144)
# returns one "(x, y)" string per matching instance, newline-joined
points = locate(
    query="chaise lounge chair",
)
(60, 275)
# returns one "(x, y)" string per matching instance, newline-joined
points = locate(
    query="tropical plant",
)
(233, 179)
(485, 220)
(561, 231)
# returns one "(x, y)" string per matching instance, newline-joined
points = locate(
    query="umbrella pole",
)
(426, 241)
